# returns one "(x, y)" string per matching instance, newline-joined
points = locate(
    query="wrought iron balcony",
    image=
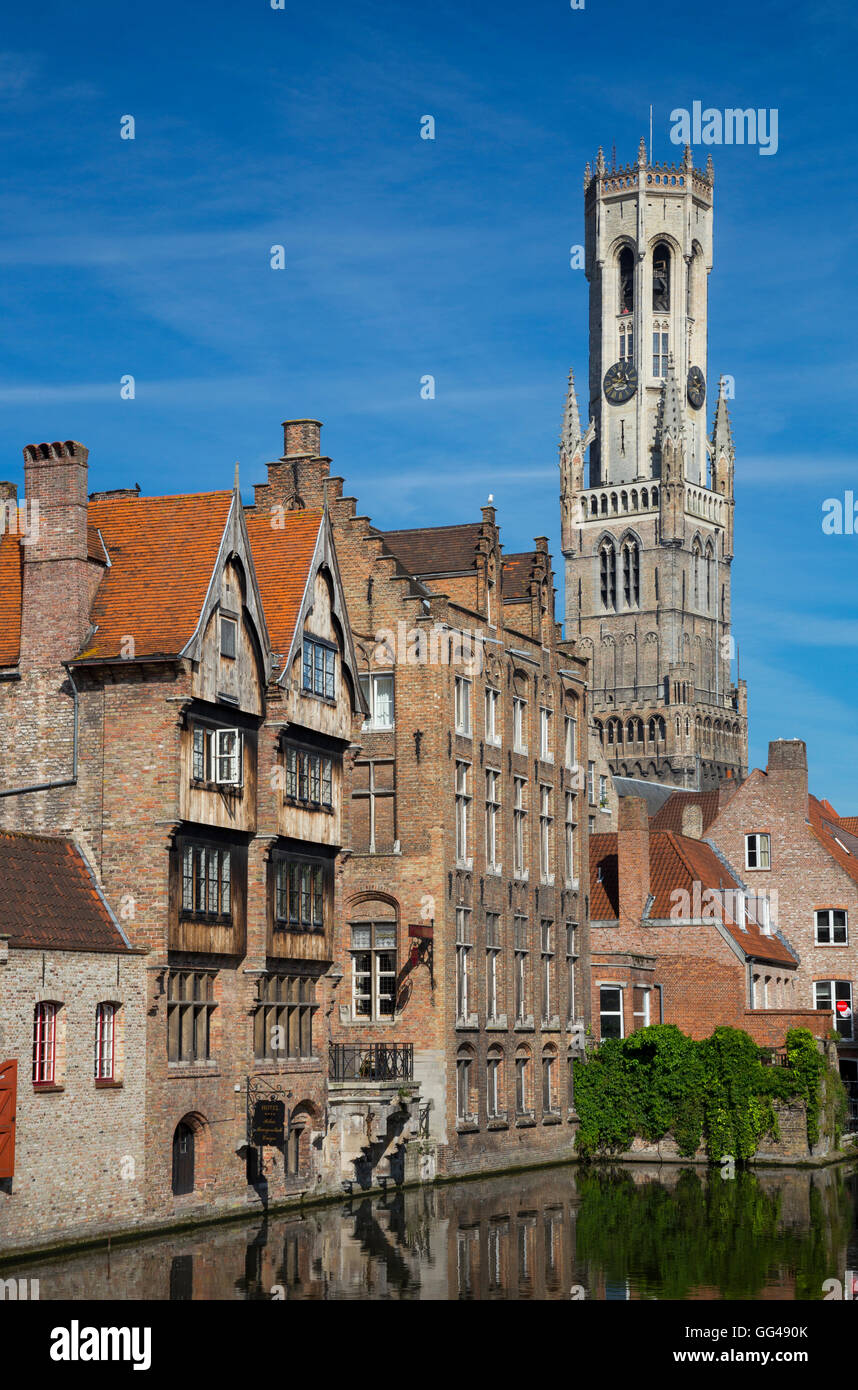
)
(371, 1062)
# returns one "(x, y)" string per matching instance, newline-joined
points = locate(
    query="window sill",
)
(469, 1024)
(322, 699)
(45, 1088)
(498, 1122)
(180, 1071)
(463, 733)
(465, 864)
(551, 1025)
(524, 1025)
(108, 1084)
(606, 810)
(204, 785)
(298, 805)
(494, 870)
(572, 885)
(469, 1126)
(547, 758)
(547, 881)
(493, 742)
(526, 1121)
(521, 877)
(551, 1117)
(497, 1025)
(377, 728)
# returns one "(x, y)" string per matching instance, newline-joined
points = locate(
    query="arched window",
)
(614, 503)
(600, 730)
(661, 277)
(549, 1080)
(523, 1082)
(608, 574)
(610, 730)
(709, 565)
(660, 347)
(696, 563)
(626, 268)
(631, 574)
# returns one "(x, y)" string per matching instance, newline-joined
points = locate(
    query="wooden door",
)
(8, 1101)
(183, 1159)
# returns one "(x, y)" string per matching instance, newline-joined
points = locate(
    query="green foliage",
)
(717, 1091)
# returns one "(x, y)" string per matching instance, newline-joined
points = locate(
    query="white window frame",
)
(570, 741)
(591, 783)
(519, 819)
(547, 954)
(463, 706)
(227, 761)
(369, 682)
(493, 1092)
(644, 1013)
(545, 731)
(492, 710)
(546, 826)
(760, 843)
(830, 926)
(519, 724)
(570, 827)
(493, 812)
(464, 980)
(105, 1041)
(463, 811)
(611, 1013)
(571, 960)
(831, 986)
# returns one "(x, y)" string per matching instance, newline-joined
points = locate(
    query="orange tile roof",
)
(849, 823)
(825, 827)
(516, 574)
(281, 558)
(49, 898)
(676, 862)
(10, 599)
(162, 554)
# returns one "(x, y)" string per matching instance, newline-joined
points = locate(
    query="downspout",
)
(63, 781)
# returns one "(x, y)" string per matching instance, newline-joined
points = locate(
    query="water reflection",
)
(619, 1233)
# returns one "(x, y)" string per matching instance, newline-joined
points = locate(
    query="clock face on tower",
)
(621, 382)
(696, 387)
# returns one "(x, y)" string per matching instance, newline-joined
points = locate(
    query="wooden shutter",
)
(8, 1101)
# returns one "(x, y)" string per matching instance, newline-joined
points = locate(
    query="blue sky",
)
(450, 257)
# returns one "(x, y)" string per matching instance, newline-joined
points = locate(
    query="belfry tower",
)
(648, 538)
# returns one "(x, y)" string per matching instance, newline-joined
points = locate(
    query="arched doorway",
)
(183, 1159)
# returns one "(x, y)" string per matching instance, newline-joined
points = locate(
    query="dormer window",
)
(309, 777)
(228, 629)
(217, 756)
(319, 668)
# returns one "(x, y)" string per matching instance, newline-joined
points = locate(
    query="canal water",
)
(634, 1232)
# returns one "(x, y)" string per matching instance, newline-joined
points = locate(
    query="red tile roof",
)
(10, 599)
(281, 558)
(49, 897)
(849, 823)
(676, 862)
(825, 827)
(162, 555)
(669, 814)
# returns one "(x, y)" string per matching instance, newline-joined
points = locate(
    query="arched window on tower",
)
(631, 574)
(608, 575)
(627, 343)
(661, 277)
(696, 561)
(709, 568)
(627, 281)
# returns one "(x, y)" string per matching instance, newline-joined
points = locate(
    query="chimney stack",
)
(302, 439)
(692, 822)
(56, 590)
(633, 859)
(787, 768)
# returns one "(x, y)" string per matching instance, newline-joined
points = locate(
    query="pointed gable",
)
(282, 558)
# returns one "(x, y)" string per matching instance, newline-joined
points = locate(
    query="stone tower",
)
(648, 537)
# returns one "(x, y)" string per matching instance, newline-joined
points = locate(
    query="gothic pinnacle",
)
(722, 437)
(710, 169)
(571, 432)
(672, 422)
(588, 176)
(600, 162)
(642, 154)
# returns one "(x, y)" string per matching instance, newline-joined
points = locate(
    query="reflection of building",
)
(179, 684)
(73, 1018)
(467, 827)
(648, 537)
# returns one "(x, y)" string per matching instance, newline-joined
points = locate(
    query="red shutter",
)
(8, 1099)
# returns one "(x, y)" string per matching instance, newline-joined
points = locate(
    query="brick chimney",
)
(633, 859)
(299, 478)
(56, 592)
(692, 822)
(787, 769)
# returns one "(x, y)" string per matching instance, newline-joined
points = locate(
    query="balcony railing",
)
(371, 1061)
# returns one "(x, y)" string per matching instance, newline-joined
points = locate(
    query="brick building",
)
(796, 849)
(463, 936)
(677, 935)
(72, 1049)
(178, 691)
